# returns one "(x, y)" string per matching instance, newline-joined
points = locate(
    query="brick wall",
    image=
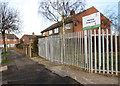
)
(26, 40)
(78, 20)
(22, 51)
(66, 30)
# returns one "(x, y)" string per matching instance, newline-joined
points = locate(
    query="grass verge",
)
(6, 61)
(7, 53)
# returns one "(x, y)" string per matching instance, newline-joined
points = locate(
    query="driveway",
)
(25, 71)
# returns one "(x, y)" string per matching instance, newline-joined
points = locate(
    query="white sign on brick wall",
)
(91, 21)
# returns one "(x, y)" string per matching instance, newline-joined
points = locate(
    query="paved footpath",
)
(79, 75)
(26, 71)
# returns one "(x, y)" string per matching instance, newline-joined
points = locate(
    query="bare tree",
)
(112, 15)
(10, 22)
(57, 10)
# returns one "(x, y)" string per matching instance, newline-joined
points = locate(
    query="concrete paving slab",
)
(3, 68)
(80, 76)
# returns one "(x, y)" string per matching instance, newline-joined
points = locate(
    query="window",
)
(67, 26)
(56, 30)
(23, 39)
(50, 32)
(14, 39)
(44, 34)
(11, 45)
(76, 24)
(8, 39)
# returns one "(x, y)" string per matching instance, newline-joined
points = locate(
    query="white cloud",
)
(34, 23)
(29, 15)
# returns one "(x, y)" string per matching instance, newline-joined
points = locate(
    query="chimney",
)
(33, 33)
(72, 12)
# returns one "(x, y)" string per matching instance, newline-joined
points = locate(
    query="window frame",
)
(43, 33)
(66, 26)
(51, 32)
(56, 30)
(31, 40)
(14, 39)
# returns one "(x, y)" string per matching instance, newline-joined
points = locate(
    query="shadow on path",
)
(25, 71)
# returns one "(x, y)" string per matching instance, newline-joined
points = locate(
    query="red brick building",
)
(26, 39)
(74, 23)
(10, 40)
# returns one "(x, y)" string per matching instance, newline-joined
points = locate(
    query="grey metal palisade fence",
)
(82, 50)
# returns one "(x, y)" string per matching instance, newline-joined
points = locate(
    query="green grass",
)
(6, 61)
(7, 53)
(114, 60)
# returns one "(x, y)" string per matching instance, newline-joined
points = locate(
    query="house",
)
(26, 39)
(10, 40)
(74, 23)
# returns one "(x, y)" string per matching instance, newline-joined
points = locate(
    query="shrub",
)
(20, 46)
(35, 45)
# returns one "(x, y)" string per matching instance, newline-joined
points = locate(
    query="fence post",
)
(99, 45)
(111, 52)
(82, 52)
(78, 47)
(95, 51)
(119, 51)
(30, 50)
(91, 50)
(71, 48)
(46, 46)
(26, 50)
(52, 49)
(103, 51)
(85, 40)
(116, 59)
(62, 49)
(107, 51)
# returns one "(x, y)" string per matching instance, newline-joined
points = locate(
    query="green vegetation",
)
(7, 53)
(6, 61)
(35, 45)
(19, 46)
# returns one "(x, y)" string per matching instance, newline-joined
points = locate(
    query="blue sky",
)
(32, 22)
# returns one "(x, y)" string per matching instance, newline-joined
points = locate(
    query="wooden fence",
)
(97, 53)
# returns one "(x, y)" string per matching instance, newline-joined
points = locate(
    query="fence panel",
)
(80, 49)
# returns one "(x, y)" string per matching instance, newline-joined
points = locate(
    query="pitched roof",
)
(10, 36)
(67, 20)
(30, 36)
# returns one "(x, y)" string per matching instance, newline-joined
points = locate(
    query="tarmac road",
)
(24, 71)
